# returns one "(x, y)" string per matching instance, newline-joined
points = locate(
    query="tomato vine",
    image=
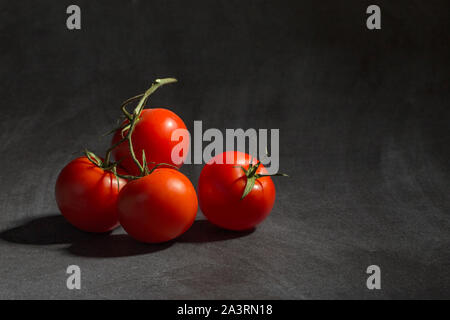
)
(127, 129)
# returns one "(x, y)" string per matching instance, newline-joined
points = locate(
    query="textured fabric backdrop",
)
(364, 135)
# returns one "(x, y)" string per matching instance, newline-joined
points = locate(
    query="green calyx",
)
(103, 165)
(127, 130)
(252, 176)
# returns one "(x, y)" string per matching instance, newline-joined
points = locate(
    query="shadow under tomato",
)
(53, 229)
(205, 231)
(114, 246)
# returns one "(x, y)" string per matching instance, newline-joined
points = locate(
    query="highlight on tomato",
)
(235, 192)
(158, 207)
(86, 194)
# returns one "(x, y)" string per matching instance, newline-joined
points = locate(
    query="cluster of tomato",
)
(145, 193)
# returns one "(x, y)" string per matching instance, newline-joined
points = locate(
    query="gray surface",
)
(363, 120)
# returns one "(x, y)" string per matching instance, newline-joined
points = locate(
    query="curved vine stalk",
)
(128, 127)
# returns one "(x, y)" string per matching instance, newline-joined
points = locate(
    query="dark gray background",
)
(364, 134)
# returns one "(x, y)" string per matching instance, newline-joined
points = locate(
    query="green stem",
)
(133, 119)
(155, 85)
(130, 146)
(252, 176)
(123, 107)
(110, 149)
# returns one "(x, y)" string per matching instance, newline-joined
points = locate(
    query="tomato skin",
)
(152, 133)
(220, 188)
(158, 207)
(87, 196)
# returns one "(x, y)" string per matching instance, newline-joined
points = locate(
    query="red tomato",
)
(87, 196)
(152, 134)
(221, 187)
(158, 207)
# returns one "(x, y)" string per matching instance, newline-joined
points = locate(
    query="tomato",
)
(153, 133)
(87, 196)
(221, 187)
(158, 207)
